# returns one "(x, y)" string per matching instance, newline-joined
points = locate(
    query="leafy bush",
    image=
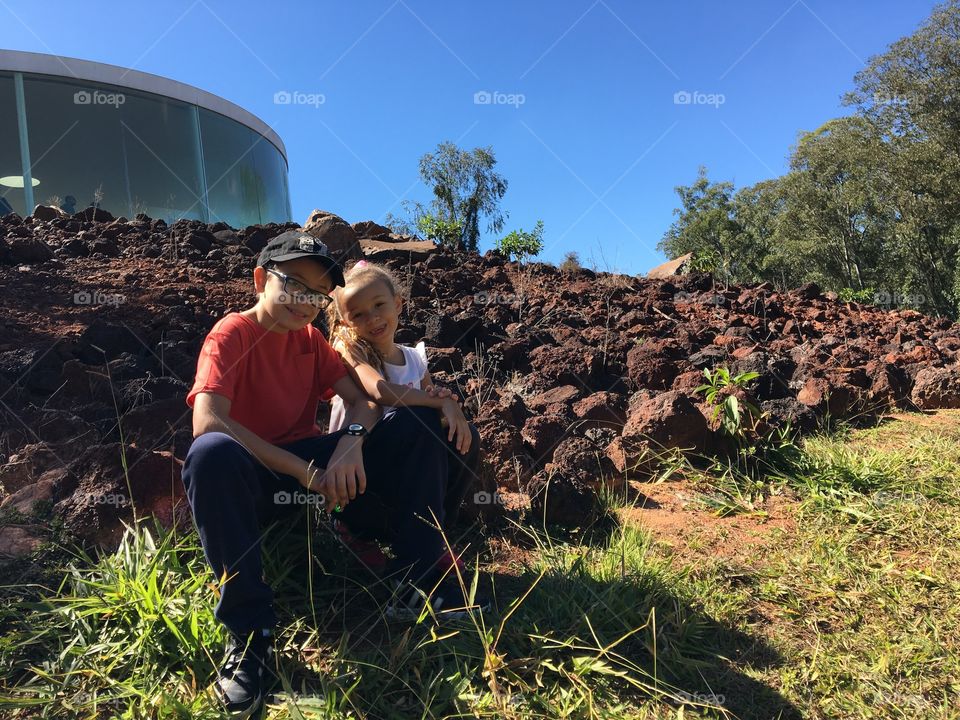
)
(444, 232)
(521, 244)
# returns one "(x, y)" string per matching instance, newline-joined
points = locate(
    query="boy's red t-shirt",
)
(273, 380)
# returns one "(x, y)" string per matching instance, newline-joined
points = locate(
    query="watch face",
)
(355, 428)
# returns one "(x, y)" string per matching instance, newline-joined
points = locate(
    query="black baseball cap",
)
(294, 244)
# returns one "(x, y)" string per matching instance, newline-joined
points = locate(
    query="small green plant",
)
(727, 405)
(521, 244)
(443, 232)
(864, 297)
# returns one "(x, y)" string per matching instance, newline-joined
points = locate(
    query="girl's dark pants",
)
(411, 470)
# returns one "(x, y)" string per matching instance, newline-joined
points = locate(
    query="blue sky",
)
(582, 118)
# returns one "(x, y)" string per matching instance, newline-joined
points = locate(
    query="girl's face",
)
(372, 311)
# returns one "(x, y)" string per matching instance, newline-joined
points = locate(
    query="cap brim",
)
(332, 265)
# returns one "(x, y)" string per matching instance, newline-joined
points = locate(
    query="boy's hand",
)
(457, 425)
(344, 477)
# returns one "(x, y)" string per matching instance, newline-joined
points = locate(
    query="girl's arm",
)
(453, 419)
(383, 392)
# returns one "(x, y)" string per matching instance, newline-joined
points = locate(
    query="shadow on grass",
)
(593, 622)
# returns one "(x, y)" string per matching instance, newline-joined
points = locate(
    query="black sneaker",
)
(447, 602)
(239, 684)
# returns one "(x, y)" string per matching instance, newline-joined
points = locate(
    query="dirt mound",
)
(572, 377)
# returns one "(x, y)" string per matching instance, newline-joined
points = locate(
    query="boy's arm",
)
(211, 413)
(345, 476)
(358, 408)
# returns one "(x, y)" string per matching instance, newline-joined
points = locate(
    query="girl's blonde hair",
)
(342, 337)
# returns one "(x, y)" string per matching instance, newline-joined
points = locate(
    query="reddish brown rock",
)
(542, 433)
(567, 491)
(603, 408)
(937, 388)
(18, 541)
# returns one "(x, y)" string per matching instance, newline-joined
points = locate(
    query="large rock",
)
(101, 503)
(937, 388)
(46, 212)
(666, 421)
(336, 233)
(653, 363)
(567, 491)
(28, 250)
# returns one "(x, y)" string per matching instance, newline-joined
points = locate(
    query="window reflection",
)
(129, 152)
(11, 198)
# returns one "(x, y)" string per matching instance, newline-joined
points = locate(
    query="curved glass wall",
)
(129, 151)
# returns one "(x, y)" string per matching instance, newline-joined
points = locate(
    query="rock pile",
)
(575, 378)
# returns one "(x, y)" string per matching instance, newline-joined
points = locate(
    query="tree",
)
(705, 226)
(835, 217)
(909, 95)
(758, 210)
(466, 188)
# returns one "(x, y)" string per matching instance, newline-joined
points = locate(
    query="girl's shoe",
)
(366, 551)
(447, 602)
(448, 560)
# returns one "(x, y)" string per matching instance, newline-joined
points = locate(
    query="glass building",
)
(76, 134)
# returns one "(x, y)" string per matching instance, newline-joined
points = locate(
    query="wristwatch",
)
(356, 429)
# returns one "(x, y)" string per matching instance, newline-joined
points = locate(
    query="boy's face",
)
(292, 310)
(372, 312)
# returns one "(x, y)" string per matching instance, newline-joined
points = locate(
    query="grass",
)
(852, 613)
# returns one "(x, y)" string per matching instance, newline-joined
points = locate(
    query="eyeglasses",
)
(300, 293)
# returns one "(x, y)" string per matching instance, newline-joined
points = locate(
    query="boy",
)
(260, 375)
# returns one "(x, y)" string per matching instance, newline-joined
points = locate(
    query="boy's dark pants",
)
(411, 469)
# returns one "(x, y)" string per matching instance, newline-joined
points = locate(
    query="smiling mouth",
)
(299, 316)
(377, 333)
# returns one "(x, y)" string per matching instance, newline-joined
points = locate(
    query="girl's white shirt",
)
(409, 375)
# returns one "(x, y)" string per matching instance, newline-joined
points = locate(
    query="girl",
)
(363, 321)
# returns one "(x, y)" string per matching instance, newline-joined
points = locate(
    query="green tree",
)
(466, 188)
(835, 217)
(705, 226)
(909, 95)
